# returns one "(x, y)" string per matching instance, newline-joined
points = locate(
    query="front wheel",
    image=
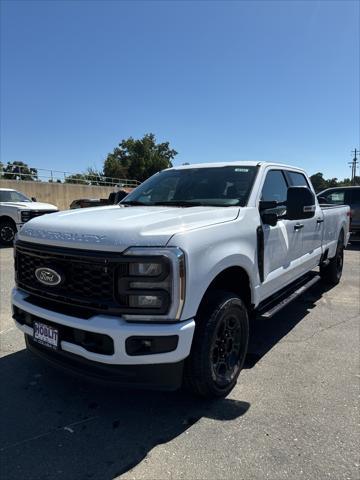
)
(219, 346)
(331, 273)
(7, 232)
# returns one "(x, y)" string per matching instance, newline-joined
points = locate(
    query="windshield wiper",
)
(179, 203)
(135, 202)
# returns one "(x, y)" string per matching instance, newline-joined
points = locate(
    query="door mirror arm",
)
(272, 212)
(269, 218)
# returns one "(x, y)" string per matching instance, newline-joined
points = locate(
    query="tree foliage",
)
(138, 159)
(18, 171)
(320, 183)
(90, 177)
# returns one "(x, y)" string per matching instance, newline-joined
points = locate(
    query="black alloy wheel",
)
(7, 232)
(219, 346)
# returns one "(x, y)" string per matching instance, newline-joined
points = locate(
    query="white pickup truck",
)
(158, 291)
(16, 209)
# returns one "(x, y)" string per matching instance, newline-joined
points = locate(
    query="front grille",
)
(29, 214)
(38, 213)
(88, 277)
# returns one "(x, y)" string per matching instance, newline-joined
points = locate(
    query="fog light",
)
(142, 301)
(150, 345)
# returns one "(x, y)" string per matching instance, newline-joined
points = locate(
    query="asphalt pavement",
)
(294, 413)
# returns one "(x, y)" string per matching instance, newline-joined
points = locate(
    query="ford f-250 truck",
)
(16, 209)
(158, 290)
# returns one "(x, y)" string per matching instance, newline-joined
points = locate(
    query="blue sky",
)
(258, 80)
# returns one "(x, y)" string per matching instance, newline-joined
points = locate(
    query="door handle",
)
(319, 220)
(298, 226)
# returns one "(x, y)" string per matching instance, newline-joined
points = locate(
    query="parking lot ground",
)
(294, 413)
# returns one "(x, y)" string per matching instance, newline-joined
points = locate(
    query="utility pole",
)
(353, 165)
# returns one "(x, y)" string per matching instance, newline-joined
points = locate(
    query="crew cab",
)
(17, 209)
(158, 291)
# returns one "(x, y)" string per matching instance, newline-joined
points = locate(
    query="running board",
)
(272, 307)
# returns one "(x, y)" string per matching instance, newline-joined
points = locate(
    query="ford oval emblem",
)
(47, 276)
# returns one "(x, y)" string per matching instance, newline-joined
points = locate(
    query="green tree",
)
(19, 171)
(95, 177)
(77, 178)
(332, 182)
(345, 183)
(318, 181)
(138, 159)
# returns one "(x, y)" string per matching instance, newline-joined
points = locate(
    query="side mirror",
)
(300, 203)
(33, 199)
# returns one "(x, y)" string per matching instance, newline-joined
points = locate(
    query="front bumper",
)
(164, 376)
(114, 327)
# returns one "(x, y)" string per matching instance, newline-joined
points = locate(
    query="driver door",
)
(282, 242)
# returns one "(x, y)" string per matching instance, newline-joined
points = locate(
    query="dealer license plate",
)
(46, 335)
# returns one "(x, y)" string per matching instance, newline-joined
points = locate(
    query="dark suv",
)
(344, 196)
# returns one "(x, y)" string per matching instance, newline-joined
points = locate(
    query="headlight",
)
(150, 285)
(142, 269)
(25, 215)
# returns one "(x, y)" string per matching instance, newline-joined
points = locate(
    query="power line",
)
(353, 165)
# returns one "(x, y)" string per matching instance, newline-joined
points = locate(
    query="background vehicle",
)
(15, 210)
(114, 197)
(88, 202)
(158, 290)
(344, 196)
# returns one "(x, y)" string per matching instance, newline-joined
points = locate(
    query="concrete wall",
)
(59, 194)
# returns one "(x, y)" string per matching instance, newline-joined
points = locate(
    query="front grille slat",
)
(30, 214)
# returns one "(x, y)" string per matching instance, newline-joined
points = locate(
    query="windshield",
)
(12, 196)
(215, 186)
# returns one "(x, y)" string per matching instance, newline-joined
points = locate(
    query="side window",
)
(297, 179)
(336, 197)
(275, 187)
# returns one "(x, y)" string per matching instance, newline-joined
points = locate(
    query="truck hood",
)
(118, 227)
(30, 205)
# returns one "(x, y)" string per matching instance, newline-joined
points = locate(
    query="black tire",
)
(331, 273)
(7, 232)
(219, 347)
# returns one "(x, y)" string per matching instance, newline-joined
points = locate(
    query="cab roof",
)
(242, 163)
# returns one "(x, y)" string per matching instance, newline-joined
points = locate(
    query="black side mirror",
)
(300, 203)
(33, 199)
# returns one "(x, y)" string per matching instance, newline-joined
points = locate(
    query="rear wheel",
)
(219, 346)
(7, 232)
(331, 273)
